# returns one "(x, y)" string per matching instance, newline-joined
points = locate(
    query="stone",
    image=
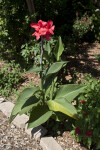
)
(20, 121)
(2, 99)
(48, 143)
(36, 132)
(13, 126)
(6, 108)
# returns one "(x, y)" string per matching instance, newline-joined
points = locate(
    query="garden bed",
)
(84, 63)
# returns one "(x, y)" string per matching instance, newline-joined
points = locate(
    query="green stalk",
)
(41, 72)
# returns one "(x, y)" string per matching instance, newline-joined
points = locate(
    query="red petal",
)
(49, 23)
(42, 23)
(35, 26)
(51, 31)
(37, 35)
(43, 31)
(52, 28)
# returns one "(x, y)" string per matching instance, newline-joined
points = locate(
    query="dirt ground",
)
(85, 61)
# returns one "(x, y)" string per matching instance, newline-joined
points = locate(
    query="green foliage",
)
(63, 106)
(96, 22)
(59, 49)
(14, 27)
(31, 52)
(69, 91)
(41, 102)
(55, 67)
(39, 115)
(10, 78)
(82, 26)
(22, 99)
(89, 114)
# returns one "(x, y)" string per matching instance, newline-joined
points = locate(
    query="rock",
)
(12, 126)
(20, 121)
(1, 99)
(6, 108)
(36, 132)
(48, 143)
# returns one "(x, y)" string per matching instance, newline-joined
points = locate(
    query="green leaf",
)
(63, 106)
(69, 91)
(48, 81)
(55, 67)
(38, 116)
(34, 69)
(29, 104)
(59, 49)
(0, 1)
(23, 97)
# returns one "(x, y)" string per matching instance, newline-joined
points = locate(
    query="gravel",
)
(67, 142)
(12, 138)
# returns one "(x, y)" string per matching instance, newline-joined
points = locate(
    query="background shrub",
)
(10, 78)
(86, 128)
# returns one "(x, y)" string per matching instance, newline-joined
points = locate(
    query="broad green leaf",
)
(63, 106)
(69, 91)
(59, 49)
(38, 116)
(23, 97)
(48, 81)
(0, 1)
(55, 67)
(34, 69)
(29, 104)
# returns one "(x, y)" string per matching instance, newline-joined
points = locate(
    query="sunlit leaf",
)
(69, 91)
(23, 97)
(61, 105)
(38, 116)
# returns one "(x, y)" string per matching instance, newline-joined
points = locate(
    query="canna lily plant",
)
(47, 100)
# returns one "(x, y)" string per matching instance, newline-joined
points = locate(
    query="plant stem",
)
(41, 72)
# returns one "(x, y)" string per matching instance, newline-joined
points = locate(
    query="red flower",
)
(77, 130)
(83, 101)
(46, 66)
(44, 29)
(88, 133)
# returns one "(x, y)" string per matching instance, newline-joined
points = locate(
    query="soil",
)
(85, 62)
